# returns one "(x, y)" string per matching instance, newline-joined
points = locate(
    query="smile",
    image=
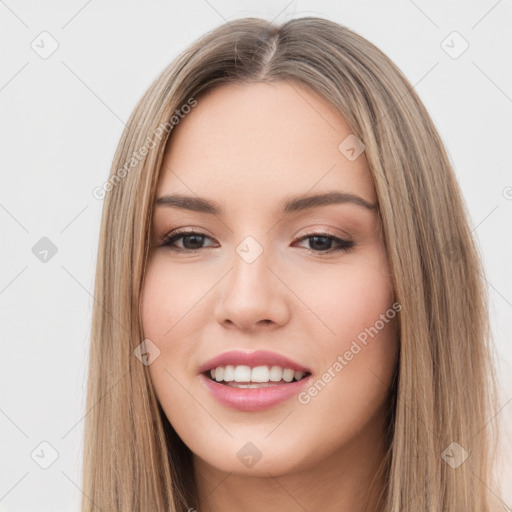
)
(253, 396)
(258, 376)
(253, 381)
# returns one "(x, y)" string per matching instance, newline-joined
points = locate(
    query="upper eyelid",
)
(318, 219)
(181, 232)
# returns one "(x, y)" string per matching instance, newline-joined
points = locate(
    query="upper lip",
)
(252, 359)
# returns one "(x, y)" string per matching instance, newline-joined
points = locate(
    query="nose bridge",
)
(251, 277)
(252, 292)
(249, 250)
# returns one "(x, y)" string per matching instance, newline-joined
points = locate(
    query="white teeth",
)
(258, 374)
(276, 373)
(229, 373)
(219, 373)
(242, 373)
(288, 374)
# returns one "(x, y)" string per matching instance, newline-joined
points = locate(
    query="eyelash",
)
(173, 236)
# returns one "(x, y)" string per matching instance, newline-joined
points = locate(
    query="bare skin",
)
(248, 148)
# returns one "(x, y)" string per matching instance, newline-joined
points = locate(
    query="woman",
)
(290, 312)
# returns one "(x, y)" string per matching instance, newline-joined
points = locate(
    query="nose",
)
(253, 296)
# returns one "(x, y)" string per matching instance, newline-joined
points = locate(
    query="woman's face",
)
(256, 278)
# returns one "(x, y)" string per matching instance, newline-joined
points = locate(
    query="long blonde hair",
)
(445, 387)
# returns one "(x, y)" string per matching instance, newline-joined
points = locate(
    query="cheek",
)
(160, 303)
(346, 299)
(356, 345)
(168, 318)
(171, 300)
(358, 360)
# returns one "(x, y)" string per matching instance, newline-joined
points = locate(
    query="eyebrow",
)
(300, 203)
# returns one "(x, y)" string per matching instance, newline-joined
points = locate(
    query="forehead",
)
(256, 143)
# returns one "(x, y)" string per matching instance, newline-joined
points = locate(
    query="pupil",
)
(314, 239)
(197, 245)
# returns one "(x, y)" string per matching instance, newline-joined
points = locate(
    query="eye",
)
(321, 243)
(192, 241)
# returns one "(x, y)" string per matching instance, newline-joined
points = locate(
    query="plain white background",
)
(62, 116)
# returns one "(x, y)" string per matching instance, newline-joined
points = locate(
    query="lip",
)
(253, 399)
(252, 359)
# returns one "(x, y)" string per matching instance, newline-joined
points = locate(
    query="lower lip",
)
(253, 399)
